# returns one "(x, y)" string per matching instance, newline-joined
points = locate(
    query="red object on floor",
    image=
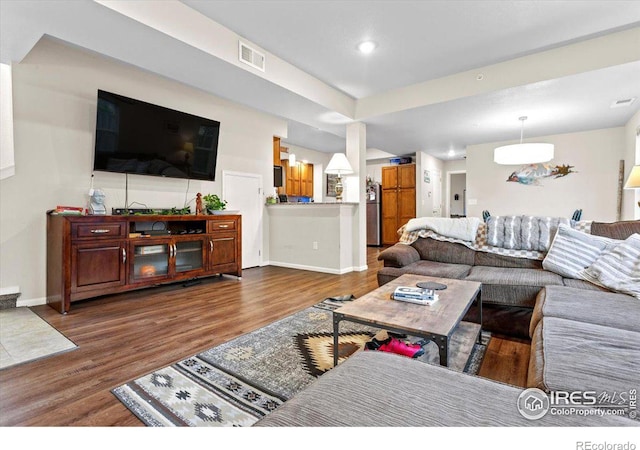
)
(393, 345)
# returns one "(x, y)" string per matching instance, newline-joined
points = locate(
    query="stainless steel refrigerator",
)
(374, 215)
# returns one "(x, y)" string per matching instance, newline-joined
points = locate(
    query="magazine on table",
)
(415, 295)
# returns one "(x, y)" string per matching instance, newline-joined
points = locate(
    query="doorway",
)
(456, 194)
(243, 193)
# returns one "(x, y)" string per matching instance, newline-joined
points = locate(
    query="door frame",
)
(260, 212)
(447, 204)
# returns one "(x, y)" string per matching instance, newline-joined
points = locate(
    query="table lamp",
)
(633, 182)
(339, 165)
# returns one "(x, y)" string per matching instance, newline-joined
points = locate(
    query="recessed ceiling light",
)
(480, 77)
(451, 153)
(367, 47)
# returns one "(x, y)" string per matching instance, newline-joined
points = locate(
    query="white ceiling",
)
(418, 41)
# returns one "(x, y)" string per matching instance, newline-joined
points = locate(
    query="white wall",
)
(7, 163)
(54, 102)
(374, 168)
(455, 165)
(595, 156)
(429, 195)
(630, 198)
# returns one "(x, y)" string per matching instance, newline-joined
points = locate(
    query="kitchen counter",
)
(313, 236)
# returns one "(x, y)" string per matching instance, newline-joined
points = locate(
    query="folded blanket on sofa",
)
(464, 228)
(523, 232)
(480, 243)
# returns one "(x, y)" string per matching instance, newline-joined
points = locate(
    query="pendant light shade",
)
(530, 153)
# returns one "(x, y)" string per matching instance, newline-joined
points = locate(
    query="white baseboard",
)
(31, 302)
(312, 268)
(10, 290)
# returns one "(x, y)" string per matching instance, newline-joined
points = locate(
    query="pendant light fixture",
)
(530, 153)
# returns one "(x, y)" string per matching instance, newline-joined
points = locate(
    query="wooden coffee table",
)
(436, 322)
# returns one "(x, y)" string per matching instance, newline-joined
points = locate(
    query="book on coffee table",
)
(415, 295)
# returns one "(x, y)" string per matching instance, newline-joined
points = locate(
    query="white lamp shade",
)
(633, 182)
(523, 153)
(339, 165)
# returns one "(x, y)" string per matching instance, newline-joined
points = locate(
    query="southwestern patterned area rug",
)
(240, 381)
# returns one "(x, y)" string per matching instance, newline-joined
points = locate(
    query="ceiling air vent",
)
(250, 56)
(621, 103)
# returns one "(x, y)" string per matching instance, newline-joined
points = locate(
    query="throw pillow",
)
(573, 251)
(619, 268)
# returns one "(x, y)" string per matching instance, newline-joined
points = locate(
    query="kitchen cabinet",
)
(299, 179)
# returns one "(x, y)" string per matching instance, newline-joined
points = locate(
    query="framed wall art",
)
(331, 185)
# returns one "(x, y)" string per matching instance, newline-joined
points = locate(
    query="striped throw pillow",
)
(573, 251)
(619, 268)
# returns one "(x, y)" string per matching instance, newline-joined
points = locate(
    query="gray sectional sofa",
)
(583, 338)
(375, 389)
(510, 285)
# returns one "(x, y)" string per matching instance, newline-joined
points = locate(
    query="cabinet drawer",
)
(99, 230)
(222, 225)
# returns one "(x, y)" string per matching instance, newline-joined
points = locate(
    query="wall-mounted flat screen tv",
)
(133, 136)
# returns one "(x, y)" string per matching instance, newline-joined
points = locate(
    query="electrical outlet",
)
(315, 245)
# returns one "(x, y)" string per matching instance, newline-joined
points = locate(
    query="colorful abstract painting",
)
(532, 174)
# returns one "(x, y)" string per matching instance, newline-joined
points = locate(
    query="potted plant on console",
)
(213, 204)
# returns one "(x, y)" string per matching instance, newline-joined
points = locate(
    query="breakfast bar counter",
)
(313, 236)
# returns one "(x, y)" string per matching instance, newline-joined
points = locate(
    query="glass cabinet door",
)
(189, 255)
(150, 260)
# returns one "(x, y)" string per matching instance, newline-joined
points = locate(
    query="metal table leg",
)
(443, 347)
(336, 333)
(479, 299)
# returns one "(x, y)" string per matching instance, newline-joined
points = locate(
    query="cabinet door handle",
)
(124, 256)
(211, 246)
(100, 231)
(175, 250)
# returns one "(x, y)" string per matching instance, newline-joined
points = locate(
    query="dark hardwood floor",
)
(122, 337)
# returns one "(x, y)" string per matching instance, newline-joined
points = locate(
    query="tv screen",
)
(133, 136)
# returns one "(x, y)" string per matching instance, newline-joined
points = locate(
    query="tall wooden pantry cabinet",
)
(398, 199)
